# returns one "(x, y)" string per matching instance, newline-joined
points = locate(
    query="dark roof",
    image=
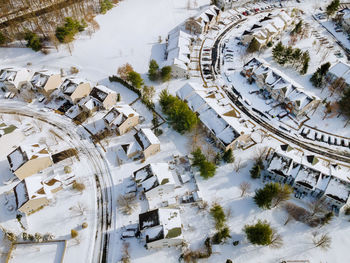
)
(24, 155)
(98, 94)
(149, 219)
(246, 32)
(148, 170)
(266, 18)
(255, 26)
(25, 193)
(284, 147)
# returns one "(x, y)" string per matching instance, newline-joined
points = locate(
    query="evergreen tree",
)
(105, 6)
(255, 172)
(228, 156)
(2, 38)
(278, 53)
(153, 70)
(165, 73)
(272, 195)
(253, 46)
(344, 103)
(297, 29)
(332, 7)
(207, 169)
(33, 41)
(259, 234)
(318, 78)
(65, 34)
(198, 157)
(135, 79)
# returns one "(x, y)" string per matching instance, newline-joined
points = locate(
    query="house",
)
(74, 90)
(337, 193)
(281, 88)
(155, 180)
(178, 51)
(33, 193)
(269, 28)
(27, 160)
(339, 70)
(121, 119)
(161, 228)
(148, 142)
(45, 83)
(101, 97)
(13, 79)
(202, 22)
(10, 135)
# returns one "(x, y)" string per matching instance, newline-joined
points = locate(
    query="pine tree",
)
(153, 71)
(344, 103)
(318, 78)
(332, 7)
(135, 79)
(165, 73)
(228, 156)
(277, 53)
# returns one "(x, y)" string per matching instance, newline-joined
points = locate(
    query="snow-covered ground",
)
(129, 33)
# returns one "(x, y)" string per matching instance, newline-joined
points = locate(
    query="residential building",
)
(340, 70)
(33, 193)
(13, 79)
(45, 83)
(10, 135)
(161, 228)
(217, 115)
(268, 28)
(148, 142)
(121, 119)
(27, 160)
(101, 97)
(74, 90)
(178, 51)
(281, 88)
(155, 180)
(337, 193)
(202, 22)
(343, 17)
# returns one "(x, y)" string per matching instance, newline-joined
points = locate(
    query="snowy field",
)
(129, 33)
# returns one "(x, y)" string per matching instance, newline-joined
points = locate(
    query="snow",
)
(147, 138)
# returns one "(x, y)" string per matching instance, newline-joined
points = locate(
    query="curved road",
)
(333, 154)
(98, 165)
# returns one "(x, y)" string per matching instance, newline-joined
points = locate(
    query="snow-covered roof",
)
(28, 189)
(119, 114)
(178, 49)
(162, 223)
(22, 154)
(39, 79)
(280, 164)
(153, 175)
(307, 177)
(341, 70)
(100, 92)
(145, 137)
(188, 89)
(15, 75)
(338, 190)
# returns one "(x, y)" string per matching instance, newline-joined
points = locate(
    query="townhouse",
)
(45, 83)
(14, 79)
(202, 22)
(121, 119)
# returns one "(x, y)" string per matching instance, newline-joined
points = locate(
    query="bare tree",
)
(322, 241)
(126, 204)
(261, 153)
(79, 209)
(317, 207)
(244, 187)
(276, 240)
(239, 165)
(125, 253)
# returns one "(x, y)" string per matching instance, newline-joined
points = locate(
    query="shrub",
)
(221, 235)
(217, 212)
(118, 97)
(84, 225)
(259, 234)
(25, 236)
(327, 218)
(3, 39)
(66, 33)
(67, 169)
(153, 71)
(347, 210)
(105, 6)
(74, 233)
(165, 73)
(78, 186)
(255, 172)
(135, 79)
(33, 41)
(181, 118)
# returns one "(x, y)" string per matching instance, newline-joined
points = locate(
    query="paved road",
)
(97, 163)
(330, 153)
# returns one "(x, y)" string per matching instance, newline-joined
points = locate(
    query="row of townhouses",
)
(217, 115)
(310, 176)
(268, 28)
(281, 88)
